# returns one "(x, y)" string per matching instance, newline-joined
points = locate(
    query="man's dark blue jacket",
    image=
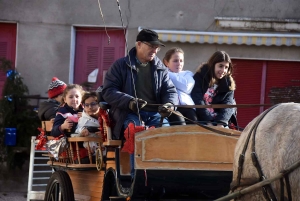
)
(118, 88)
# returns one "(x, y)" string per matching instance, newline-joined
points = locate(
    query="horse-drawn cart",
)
(189, 162)
(177, 162)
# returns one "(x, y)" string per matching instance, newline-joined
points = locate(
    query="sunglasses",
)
(92, 104)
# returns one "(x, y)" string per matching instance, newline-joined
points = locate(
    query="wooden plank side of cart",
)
(87, 181)
(87, 185)
(188, 147)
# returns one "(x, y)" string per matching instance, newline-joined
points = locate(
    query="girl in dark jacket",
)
(214, 85)
(66, 118)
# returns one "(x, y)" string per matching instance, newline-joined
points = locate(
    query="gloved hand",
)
(134, 103)
(163, 111)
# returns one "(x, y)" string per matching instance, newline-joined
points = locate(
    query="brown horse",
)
(276, 134)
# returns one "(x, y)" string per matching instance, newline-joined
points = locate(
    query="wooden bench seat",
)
(71, 159)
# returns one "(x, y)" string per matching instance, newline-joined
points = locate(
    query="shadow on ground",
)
(14, 181)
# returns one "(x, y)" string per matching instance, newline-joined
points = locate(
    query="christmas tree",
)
(15, 111)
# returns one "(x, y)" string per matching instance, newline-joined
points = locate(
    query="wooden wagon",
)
(177, 162)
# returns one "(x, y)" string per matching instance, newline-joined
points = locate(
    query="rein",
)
(218, 105)
(229, 133)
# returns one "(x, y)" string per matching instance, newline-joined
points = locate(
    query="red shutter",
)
(7, 47)
(92, 61)
(108, 57)
(111, 52)
(94, 52)
(248, 76)
(282, 76)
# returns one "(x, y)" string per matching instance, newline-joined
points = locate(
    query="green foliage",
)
(15, 110)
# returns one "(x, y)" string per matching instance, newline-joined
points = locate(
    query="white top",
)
(86, 121)
(184, 83)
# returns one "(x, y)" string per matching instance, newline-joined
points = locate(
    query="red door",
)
(93, 52)
(8, 34)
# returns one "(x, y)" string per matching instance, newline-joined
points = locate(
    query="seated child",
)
(88, 124)
(183, 81)
(47, 110)
(66, 118)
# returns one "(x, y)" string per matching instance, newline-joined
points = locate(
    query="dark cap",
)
(149, 36)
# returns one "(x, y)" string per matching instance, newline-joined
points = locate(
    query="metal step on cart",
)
(39, 172)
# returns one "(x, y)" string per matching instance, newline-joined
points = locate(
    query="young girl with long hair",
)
(66, 118)
(214, 84)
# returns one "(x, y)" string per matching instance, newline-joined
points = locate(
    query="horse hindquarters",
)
(276, 146)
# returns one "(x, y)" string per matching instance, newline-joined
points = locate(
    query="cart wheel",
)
(99, 159)
(59, 187)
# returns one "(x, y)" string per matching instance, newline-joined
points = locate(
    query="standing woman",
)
(214, 85)
(182, 79)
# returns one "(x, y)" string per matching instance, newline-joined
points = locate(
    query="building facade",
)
(71, 39)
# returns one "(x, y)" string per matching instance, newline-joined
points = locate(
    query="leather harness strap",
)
(288, 187)
(267, 190)
(285, 180)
